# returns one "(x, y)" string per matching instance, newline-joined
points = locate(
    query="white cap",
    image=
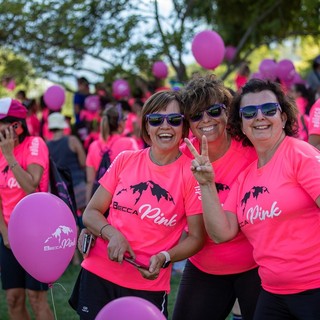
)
(57, 120)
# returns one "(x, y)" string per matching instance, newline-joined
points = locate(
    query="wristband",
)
(100, 233)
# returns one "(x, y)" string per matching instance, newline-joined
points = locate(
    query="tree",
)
(127, 36)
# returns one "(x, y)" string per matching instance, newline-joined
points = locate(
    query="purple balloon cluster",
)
(284, 70)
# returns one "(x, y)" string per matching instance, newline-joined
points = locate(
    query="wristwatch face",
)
(166, 264)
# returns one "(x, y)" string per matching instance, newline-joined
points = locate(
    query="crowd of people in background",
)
(150, 126)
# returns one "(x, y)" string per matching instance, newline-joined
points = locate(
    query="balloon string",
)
(53, 305)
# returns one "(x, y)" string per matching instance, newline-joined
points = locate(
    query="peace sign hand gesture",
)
(201, 165)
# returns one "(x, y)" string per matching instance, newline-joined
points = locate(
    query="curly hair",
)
(202, 91)
(158, 102)
(287, 104)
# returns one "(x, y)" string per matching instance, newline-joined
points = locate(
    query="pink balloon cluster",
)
(54, 97)
(121, 88)
(160, 70)
(208, 49)
(284, 70)
(133, 308)
(43, 234)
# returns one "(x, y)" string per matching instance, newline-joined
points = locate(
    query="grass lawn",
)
(59, 294)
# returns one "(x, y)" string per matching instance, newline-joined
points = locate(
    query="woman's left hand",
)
(154, 268)
(7, 141)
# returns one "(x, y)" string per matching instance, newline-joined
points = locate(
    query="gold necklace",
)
(160, 164)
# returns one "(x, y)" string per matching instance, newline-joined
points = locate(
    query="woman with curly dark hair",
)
(274, 202)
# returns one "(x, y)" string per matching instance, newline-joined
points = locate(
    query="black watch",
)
(168, 259)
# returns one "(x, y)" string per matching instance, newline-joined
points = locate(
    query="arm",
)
(314, 139)
(28, 179)
(192, 243)
(95, 221)
(90, 174)
(220, 225)
(76, 146)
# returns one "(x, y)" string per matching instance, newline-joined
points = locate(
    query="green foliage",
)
(127, 36)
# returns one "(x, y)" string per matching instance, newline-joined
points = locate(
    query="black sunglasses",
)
(213, 111)
(156, 119)
(268, 109)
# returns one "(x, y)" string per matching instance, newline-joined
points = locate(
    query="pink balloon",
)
(286, 70)
(257, 75)
(54, 97)
(208, 49)
(230, 53)
(42, 234)
(121, 88)
(268, 69)
(298, 79)
(92, 103)
(160, 70)
(11, 85)
(133, 308)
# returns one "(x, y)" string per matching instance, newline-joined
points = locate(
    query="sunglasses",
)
(213, 111)
(268, 109)
(156, 119)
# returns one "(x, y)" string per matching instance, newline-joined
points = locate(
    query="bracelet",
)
(13, 165)
(100, 233)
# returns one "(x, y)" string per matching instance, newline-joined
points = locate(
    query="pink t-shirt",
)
(150, 204)
(276, 210)
(115, 144)
(234, 256)
(314, 118)
(32, 150)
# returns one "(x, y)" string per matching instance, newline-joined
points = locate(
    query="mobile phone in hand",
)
(87, 240)
(136, 263)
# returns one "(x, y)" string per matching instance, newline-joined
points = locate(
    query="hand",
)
(201, 165)
(118, 245)
(154, 270)
(7, 141)
(83, 232)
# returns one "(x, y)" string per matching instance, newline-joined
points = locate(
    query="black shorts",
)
(13, 275)
(91, 293)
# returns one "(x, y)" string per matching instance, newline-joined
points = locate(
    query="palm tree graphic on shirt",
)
(156, 190)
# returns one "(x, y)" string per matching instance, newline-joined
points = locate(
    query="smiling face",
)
(212, 127)
(262, 128)
(165, 136)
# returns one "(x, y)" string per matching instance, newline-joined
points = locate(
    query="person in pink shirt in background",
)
(152, 196)
(219, 273)
(304, 99)
(274, 202)
(24, 167)
(314, 125)
(110, 140)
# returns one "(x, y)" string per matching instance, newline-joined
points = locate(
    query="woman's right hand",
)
(118, 245)
(201, 165)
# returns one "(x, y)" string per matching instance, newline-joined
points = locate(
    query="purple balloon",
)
(286, 70)
(230, 53)
(121, 88)
(257, 75)
(208, 49)
(268, 69)
(42, 234)
(133, 308)
(92, 103)
(160, 70)
(54, 97)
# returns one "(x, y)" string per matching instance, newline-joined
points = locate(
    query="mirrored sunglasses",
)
(213, 111)
(173, 119)
(268, 109)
